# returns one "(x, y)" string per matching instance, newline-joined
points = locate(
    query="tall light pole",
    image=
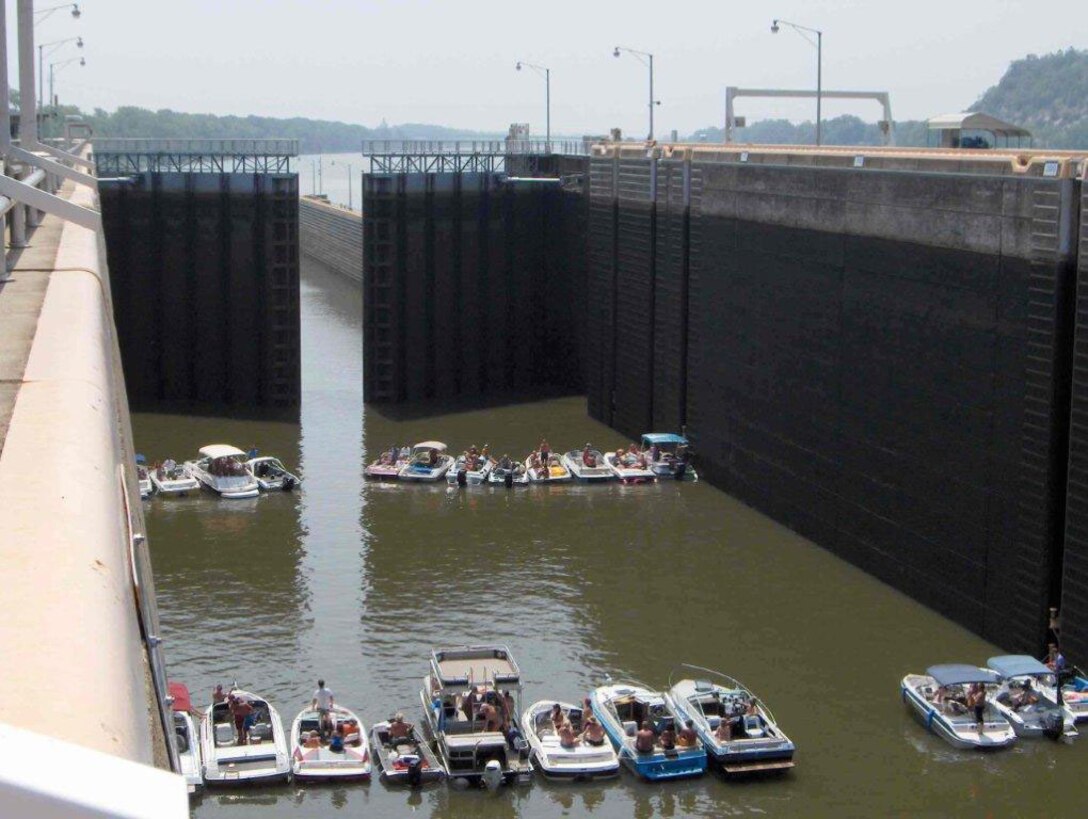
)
(54, 69)
(649, 60)
(42, 14)
(819, 60)
(53, 46)
(547, 73)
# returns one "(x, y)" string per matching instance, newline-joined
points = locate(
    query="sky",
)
(452, 62)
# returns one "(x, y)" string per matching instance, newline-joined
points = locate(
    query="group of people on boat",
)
(226, 467)
(474, 459)
(591, 732)
(668, 737)
(632, 458)
(241, 711)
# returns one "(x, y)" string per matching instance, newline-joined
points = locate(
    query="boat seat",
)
(260, 731)
(224, 733)
(630, 728)
(752, 726)
(714, 722)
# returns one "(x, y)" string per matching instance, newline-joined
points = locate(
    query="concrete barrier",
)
(333, 235)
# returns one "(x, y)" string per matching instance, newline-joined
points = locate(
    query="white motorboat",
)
(271, 474)
(622, 708)
(1075, 693)
(583, 761)
(404, 760)
(387, 466)
(172, 478)
(629, 467)
(470, 704)
(319, 758)
(143, 476)
(185, 735)
(751, 741)
(552, 472)
(587, 465)
(263, 757)
(939, 699)
(669, 455)
(476, 473)
(1027, 698)
(508, 472)
(429, 462)
(222, 468)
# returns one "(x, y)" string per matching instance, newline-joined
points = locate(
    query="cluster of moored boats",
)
(1013, 696)
(662, 455)
(221, 468)
(473, 727)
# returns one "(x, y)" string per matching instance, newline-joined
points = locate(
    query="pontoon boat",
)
(587, 465)
(583, 762)
(263, 757)
(406, 760)
(312, 755)
(222, 468)
(271, 474)
(185, 735)
(1027, 698)
(172, 478)
(622, 708)
(429, 462)
(752, 740)
(470, 703)
(939, 699)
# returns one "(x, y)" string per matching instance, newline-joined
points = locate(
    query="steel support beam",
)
(47, 202)
(882, 97)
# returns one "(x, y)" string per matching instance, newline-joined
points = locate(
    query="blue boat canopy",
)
(960, 673)
(1018, 665)
(663, 438)
(140, 459)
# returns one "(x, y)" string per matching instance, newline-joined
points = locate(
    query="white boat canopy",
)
(441, 447)
(220, 451)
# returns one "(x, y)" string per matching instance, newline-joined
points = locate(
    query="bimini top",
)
(441, 447)
(220, 451)
(664, 438)
(1018, 665)
(958, 674)
(475, 665)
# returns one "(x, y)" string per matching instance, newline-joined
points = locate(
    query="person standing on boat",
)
(240, 709)
(545, 450)
(1054, 659)
(976, 700)
(323, 701)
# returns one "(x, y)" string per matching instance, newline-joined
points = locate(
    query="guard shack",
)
(973, 129)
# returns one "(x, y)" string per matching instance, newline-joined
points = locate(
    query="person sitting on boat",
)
(398, 728)
(313, 740)
(593, 734)
(219, 695)
(1026, 697)
(557, 717)
(504, 462)
(1054, 659)
(644, 739)
(724, 731)
(567, 738)
(687, 738)
(667, 737)
(323, 702)
(336, 742)
(752, 710)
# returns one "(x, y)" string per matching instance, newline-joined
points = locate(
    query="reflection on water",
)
(356, 582)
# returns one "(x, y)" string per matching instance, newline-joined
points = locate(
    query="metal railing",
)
(425, 147)
(116, 156)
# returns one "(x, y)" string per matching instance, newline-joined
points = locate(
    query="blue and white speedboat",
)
(938, 699)
(429, 463)
(621, 708)
(1028, 698)
(739, 732)
(669, 455)
(476, 471)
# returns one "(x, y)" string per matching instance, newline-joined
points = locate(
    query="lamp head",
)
(79, 42)
(774, 27)
(616, 52)
(518, 66)
(75, 10)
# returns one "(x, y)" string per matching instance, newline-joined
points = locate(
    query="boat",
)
(406, 760)
(1075, 693)
(172, 478)
(621, 708)
(756, 744)
(428, 462)
(513, 473)
(388, 465)
(669, 455)
(473, 476)
(185, 735)
(584, 762)
(938, 699)
(270, 474)
(264, 757)
(1028, 698)
(587, 465)
(459, 692)
(554, 473)
(629, 468)
(143, 475)
(222, 468)
(321, 763)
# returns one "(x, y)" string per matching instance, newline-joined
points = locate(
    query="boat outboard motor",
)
(682, 466)
(492, 774)
(1053, 724)
(462, 477)
(288, 484)
(508, 478)
(415, 769)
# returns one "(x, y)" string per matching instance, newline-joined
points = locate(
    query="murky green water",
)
(356, 582)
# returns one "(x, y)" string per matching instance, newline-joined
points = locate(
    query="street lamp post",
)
(819, 61)
(53, 69)
(42, 14)
(53, 46)
(547, 73)
(649, 60)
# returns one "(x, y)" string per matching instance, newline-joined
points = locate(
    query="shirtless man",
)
(593, 733)
(240, 709)
(492, 720)
(667, 738)
(976, 700)
(644, 739)
(567, 739)
(724, 732)
(398, 728)
(687, 738)
(470, 704)
(219, 695)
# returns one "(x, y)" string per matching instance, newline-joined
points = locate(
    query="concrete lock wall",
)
(333, 235)
(875, 356)
(467, 285)
(206, 280)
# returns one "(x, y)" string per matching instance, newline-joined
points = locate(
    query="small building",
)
(973, 129)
